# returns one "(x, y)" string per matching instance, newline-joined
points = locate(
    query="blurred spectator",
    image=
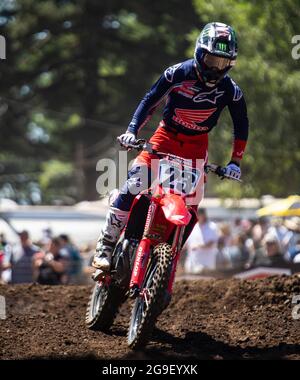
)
(75, 260)
(202, 245)
(224, 241)
(227, 247)
(5, 252)
(3, 242)
(259, 231)
(51, 268)
(280, 230)
(225, 237)
(237, 226)
(292, 239)
(270, 254)
(5, 255)
(21, 260)
(247, 226)
(234, 255)
(46, 237)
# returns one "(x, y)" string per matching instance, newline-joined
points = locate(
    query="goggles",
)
(219, 63)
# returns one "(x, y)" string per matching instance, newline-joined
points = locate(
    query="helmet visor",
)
(219, 63)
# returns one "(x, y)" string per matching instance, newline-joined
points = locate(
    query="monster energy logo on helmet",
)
(222, 46)
(218, 39)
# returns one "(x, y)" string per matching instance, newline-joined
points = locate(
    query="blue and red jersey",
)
(192, 108)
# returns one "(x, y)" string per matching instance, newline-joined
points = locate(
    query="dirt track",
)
(209, 319)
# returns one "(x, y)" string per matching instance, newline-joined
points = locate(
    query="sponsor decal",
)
(237, 92)
(169, 73)
(149, 218)
(186, 89)
(210, 96)
(239, 154)
(189, 118)
(138, 260)
(222, 46)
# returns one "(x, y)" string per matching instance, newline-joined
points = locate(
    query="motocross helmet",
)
(215, 52)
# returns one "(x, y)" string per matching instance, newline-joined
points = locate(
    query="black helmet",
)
(215, 52)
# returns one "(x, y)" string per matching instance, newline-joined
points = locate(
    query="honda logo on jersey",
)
(189, 118)
(210, 96)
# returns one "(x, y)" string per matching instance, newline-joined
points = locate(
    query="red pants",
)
(163, 140)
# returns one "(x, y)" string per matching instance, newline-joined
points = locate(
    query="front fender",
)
(175, 210)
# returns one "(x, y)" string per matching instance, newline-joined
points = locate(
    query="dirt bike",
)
(145, 257)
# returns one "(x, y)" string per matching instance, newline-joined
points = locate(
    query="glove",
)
(127, 138)
(233, 170)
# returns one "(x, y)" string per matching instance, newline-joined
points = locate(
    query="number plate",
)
(178, 178)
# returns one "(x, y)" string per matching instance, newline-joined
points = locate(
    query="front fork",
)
(143, 254)
(140, 265)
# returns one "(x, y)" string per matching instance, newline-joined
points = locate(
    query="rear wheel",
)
(151, 303)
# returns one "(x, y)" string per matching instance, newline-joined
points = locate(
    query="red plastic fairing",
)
(140, 263)
(175, 209)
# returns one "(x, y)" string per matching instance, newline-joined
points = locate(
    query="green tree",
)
(75, 71)
(270, 80)
(73, 63)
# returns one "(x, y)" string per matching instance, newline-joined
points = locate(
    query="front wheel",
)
(151, 302)
(108, 296)
(103, 306)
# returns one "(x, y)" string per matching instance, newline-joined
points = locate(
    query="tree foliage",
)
(75, 71)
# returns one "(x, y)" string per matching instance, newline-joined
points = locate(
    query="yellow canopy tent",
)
(285, 207)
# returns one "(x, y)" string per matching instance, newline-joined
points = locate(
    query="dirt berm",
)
(207, 319)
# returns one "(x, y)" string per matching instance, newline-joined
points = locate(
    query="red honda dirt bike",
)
(145, 258)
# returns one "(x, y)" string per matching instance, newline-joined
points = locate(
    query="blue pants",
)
(138, 179)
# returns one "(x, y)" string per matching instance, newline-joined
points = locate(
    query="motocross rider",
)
(196, 91)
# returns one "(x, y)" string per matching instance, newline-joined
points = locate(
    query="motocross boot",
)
(114, 223)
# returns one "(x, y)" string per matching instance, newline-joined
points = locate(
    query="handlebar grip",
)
(140, 141)
(220, 171)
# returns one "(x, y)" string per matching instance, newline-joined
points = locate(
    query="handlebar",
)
(142, 144)
(219, 171)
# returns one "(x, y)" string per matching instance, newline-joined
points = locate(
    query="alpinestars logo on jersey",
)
(189, 118)
(210, 96)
